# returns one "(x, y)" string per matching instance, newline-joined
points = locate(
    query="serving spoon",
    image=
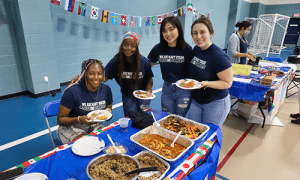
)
(172, 145)
(142, 170)
(155, 119)
(117, 149)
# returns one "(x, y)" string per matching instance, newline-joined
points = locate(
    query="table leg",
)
(263, 115)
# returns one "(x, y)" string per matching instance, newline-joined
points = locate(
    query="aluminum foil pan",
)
(184, 141)
(160, 159)
(204, 128)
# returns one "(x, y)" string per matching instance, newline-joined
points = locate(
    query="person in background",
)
(86, 95)
(212, 68)
(296, 116)
(173, 55)
(237, 45)
(132, 71)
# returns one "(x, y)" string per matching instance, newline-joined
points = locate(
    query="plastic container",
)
(241, 69)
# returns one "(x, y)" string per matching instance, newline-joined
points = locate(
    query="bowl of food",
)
(111, 149)
(112, 166)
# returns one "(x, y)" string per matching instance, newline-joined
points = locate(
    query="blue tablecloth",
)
(65, 164)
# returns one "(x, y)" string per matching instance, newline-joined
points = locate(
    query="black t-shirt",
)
(204, 67)
(173, 62)
(80, 100)
(112, 69)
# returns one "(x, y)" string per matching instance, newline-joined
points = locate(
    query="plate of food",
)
(88, 146)
(99, 115)
(35, 176)
(188, 84)
(141, 94)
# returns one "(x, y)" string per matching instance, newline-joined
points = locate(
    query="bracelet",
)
(78, 119)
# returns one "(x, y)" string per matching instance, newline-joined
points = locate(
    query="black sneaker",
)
(296, 121)
(295, 115)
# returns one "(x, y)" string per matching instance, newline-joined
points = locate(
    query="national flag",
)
(94, 12)
(196, 14)
(165, 16)
(57, 2)
(170, 14)
(208, 16)
(147, 21)
(184, 9)
(153, 20)
(159, 19)
(140, 21)
(114, 18)
(104, 16)
(190, 7)
(132, 21)
(180, 11)
(175, 13)
(70, 5)
(82, 8)
(194, 10)
(123, 20)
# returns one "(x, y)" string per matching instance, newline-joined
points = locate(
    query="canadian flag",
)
(123, 20)
(159, 19)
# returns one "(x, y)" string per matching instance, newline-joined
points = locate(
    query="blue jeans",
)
(175, 100)
(131, 103)
(214, 112)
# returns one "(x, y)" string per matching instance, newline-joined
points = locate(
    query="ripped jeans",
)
(175, 100)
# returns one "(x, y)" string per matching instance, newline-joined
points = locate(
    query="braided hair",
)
(84, 66)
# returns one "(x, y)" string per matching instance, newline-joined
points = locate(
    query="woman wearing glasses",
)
(132, 71)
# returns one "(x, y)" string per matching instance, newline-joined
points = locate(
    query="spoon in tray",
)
(172, 145)
(142, 170)
(155, 119)
(117, 149)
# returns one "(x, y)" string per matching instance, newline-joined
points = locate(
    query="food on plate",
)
(162, 146)
(143, 94)
(102, 117)
(148, 160)
(187, 83)
(113, 169)
(175, 124)
(111, 149)
(95, 114)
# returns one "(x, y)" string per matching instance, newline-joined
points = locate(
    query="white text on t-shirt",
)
(173, 59)
(198, 62)
(93, 106)
(128, 75)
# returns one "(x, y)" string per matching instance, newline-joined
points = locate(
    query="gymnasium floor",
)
(248, 151)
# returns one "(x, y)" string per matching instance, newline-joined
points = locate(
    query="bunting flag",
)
(114, 18)
(165, 16)
(208, 15)
(132, 21)
(70, 5)
(104, 16)
(170, 14)
(194, 10)
(184, 9)
(190, 7)
(147, 21)
(175, 13)
(94, 13)
(57, 2)
(140, 21)
(153, 20)
(159, 19)
(180, 11)
(123, 20)
(82, 9)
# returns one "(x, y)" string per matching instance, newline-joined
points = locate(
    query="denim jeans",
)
(131, 103)
(214, 112)
(175, 100)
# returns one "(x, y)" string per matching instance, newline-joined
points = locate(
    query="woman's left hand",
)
(149, 90)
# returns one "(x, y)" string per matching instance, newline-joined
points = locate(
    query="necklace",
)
(92, 95)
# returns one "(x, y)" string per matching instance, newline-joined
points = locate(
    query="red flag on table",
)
(57, 2)
(123, 20)
(159, 19)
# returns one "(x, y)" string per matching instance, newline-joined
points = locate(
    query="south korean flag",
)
(94, 13)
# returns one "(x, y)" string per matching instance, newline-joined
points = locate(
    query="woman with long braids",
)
(132, 71)
(86, 95)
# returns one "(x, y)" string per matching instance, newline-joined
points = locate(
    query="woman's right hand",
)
(250, 57)
(85, 120)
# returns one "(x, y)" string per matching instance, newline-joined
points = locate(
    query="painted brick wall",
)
(78, 38)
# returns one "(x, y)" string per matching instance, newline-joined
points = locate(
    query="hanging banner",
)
(114, 18)
(180, 11)
(104, 16)
(132, 21)
(153, 21)
(57, 2)
(123, 20)
(159, 19)
(175, 13)
(70, 5)
(82, 9)
(147, 21)
(140, 21)
(94, 13)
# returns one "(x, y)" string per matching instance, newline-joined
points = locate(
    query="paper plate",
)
(33, 176)
(88, 146)
(98, 114)
(178, 84)
(141, 96)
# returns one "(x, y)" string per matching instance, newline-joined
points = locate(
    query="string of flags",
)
(127, 20)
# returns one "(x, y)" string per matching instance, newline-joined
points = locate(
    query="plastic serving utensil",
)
(155, 119)
(142, 170)
(172, 145)
(117, 149)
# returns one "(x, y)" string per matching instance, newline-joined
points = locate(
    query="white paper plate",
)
(88, 146)
(33, 176)
(198, 85)
(139, 97)
(101, 113)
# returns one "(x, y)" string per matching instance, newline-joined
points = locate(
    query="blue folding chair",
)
(274, 59)
(51, 109)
